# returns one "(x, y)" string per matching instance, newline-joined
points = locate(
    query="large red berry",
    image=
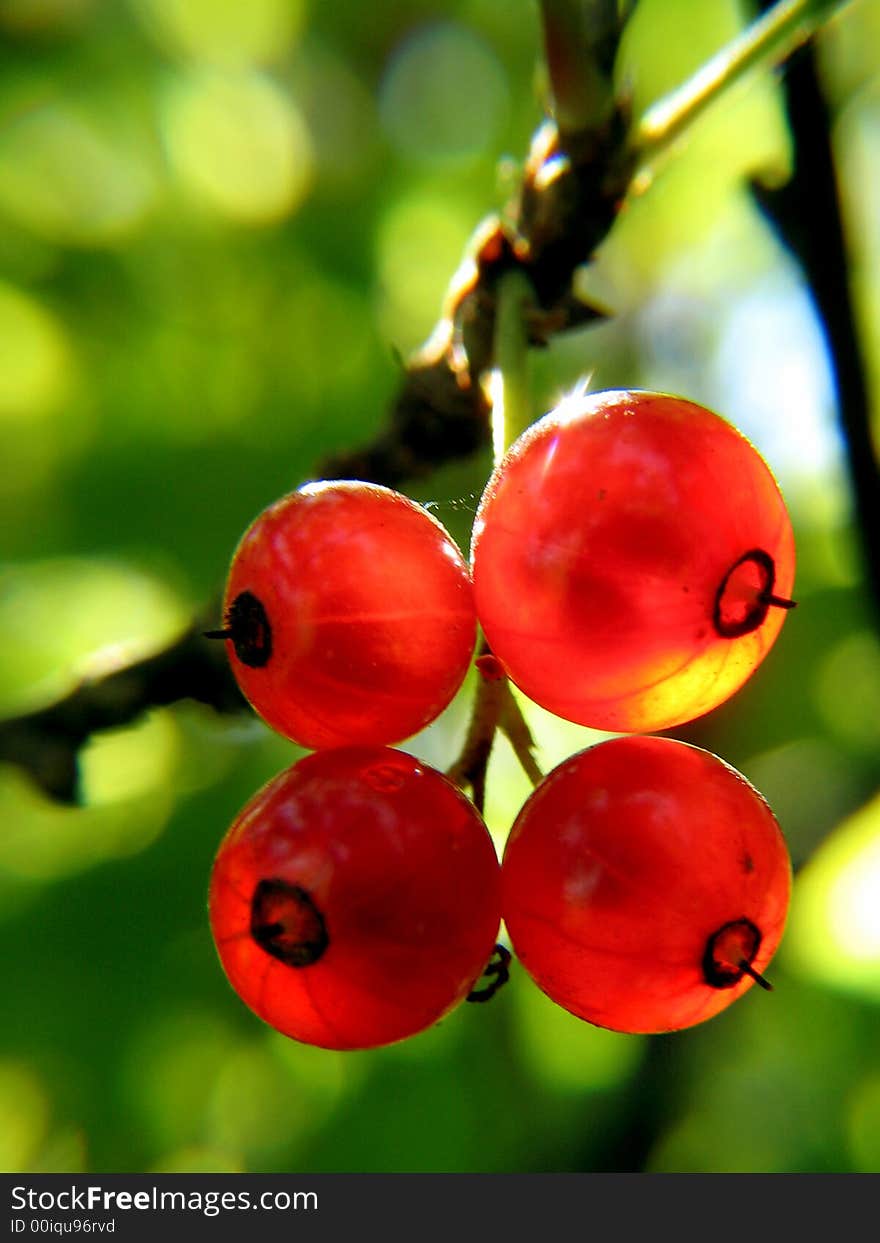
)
(645, 884)
(356, 898)
(349, 615)
(632, 561)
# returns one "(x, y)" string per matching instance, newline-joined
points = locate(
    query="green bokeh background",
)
(220, 223)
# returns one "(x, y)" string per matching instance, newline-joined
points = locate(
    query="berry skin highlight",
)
(355, 900)
(633, 561)
(349, 616)
(645, 885)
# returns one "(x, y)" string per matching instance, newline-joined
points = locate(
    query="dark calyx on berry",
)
(496, 973)
(745, 595)
(729, 955)
(247, 627)
(286, 923)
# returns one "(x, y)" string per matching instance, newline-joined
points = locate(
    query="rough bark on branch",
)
(568, 200)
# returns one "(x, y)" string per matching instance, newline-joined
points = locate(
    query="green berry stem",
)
(767, 41)
(509, 383)
(580, 42)
(515, 729)
(494, 708)
(469, 770)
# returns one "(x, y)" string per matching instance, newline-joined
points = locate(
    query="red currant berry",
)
(356, 899)
(349, 616)
(632, 561)
(645, 885)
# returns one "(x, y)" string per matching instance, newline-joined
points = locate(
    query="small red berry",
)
(632, 561)
(349, 616)
(645, 885)
(356, 898)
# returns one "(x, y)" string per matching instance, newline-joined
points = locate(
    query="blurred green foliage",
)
(218, 222)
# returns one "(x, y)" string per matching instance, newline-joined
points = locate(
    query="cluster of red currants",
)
(631, 565)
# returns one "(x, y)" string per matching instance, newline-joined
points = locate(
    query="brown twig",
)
(47, 743)
(806, 215)
(574, 181)
(494, 708)
(567, 203)
(469, 770)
